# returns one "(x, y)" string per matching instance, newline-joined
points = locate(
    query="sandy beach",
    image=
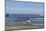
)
(21, 27)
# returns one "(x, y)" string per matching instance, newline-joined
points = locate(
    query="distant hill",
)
(28, 15)
(25, 15)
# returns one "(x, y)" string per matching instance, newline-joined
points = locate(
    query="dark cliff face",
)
(6, 15)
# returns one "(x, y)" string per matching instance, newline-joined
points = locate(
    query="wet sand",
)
(21, 27)
(18, 27)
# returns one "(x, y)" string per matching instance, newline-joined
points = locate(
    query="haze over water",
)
(13, 7)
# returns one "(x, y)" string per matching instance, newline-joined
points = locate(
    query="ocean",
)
(36, 22)
(33, 20)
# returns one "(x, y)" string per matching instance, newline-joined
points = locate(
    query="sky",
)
(13, 7)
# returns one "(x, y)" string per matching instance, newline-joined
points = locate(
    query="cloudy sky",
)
(24, 7)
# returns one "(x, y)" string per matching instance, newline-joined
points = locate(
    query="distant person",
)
(28, 21)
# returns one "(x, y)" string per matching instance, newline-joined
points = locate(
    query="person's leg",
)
(27, 22)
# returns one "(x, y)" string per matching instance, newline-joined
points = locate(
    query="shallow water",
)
(34, 20)
(36, 23)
